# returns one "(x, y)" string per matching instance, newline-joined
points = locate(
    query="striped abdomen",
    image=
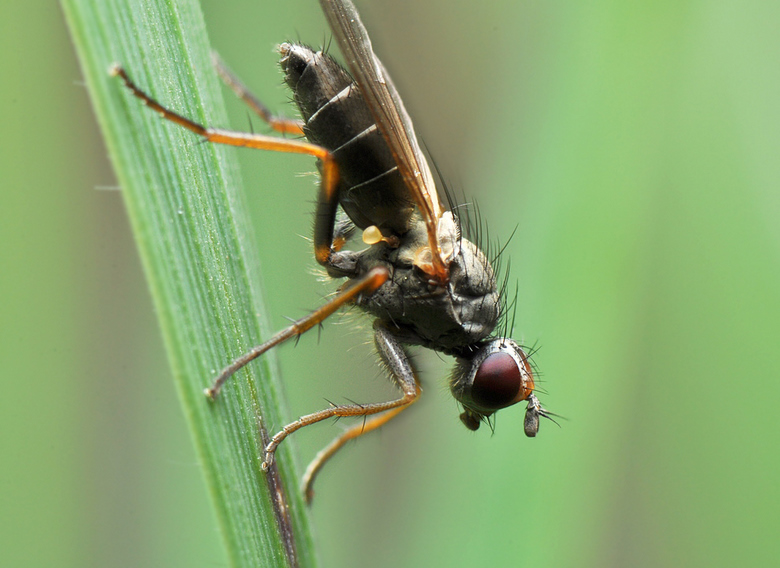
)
(336, 117)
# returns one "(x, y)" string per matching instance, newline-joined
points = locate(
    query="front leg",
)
(401, 373)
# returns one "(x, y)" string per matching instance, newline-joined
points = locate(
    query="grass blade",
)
(186, 210)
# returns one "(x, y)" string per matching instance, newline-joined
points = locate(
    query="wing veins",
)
(391, 117)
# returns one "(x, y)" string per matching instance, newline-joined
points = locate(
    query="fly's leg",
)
(368, 284)
(278, 123)
(401, 373)
(325, 250)
(327, 200)
(324, 455)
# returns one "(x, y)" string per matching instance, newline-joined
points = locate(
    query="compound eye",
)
(497, 382)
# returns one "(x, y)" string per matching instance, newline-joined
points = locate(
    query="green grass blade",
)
(186, 210)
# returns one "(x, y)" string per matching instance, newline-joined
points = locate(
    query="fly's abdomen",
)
(337, 118)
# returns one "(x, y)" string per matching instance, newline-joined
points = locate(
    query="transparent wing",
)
(391, 117)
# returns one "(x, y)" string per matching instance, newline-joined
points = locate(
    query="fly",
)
(422, 281)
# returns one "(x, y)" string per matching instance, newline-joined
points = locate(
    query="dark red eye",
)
(497, 382)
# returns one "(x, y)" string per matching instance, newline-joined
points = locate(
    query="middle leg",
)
(368, 284)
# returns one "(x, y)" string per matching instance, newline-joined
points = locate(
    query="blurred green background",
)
(634, 145)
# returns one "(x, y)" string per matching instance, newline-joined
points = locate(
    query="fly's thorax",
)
(446, 318)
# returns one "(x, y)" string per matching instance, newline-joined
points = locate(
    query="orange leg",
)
(327, 202)
(368, 284)
(278, 123)
(401, 372)
(328, 451)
